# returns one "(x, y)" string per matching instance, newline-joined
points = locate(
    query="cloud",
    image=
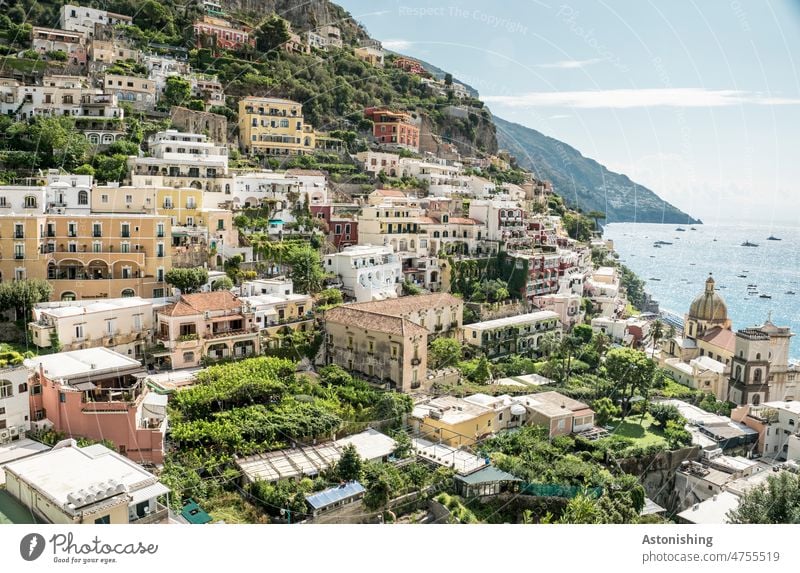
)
(633, 98)
(571, 64)
(397, 45)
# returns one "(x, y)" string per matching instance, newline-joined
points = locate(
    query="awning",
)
(83, 386)
(148, 492)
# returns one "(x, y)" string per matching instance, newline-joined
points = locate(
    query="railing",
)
(158, 516)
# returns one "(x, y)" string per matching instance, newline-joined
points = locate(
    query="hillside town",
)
(219, 307)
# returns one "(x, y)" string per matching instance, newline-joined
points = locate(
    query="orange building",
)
(393, 128)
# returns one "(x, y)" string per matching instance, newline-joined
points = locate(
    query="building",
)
(778, 427)
(124, 325)
(371, 55)
(47, 41)
(15, 406)
(366, 273)
(388, 348)
(393, 129)
(181, 160)
(438, 313)
(410, 65)
(99, 394)
(335, 497)
(192, 121)
(324, 37)
(566, 305)
(452, 421)
(211, 31)
(701, 373)
(207, 325)
(275, 314)
(139, 92)
(95, 256)
(342, 229)
(375, 162)
(92, 485)
(273, 126)
(111, 51)
(84, 20)
(558, 413)
(521, 334)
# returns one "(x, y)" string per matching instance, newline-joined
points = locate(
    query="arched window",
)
(94, 139)
(756, 399)
(758, 356)
(757, 375)
(188, 356)
(738, 372)
(83, 197)
(68, 296)
(128, 293)
(6, 389)
(30, 202)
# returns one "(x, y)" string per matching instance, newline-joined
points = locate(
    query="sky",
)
(697, 99)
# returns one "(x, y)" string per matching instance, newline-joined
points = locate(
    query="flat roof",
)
(792, 406)
(312, 460)
(488, 474)
(461, 461)
(68, 469)
(513, 320)
(18, 450)
(75, 308)
(711, 511)
(333, 495)
(453, 410)
(80, 362)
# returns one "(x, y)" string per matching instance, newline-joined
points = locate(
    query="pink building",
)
(99, 394)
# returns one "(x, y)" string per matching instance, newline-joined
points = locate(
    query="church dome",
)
(709, 306)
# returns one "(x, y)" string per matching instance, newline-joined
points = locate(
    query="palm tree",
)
(656, 334)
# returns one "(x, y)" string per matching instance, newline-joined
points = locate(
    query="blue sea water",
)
(682, 268)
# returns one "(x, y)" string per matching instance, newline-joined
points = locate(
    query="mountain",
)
(583, 182)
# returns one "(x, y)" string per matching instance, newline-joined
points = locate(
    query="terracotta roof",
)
(305, 172)
(373, 321)
(408, 304)
(194, 304)
(462, 221)
(426, 221)
(388, 193)
(722, 337)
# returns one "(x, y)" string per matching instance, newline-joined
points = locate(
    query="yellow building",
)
(452, 421)
(94, 256)
(272, 126)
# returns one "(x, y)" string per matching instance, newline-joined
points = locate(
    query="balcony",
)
(19, 256)
(415, 362)
(160, 515)
(19, 235)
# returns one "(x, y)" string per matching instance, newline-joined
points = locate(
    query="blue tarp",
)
(333, 495)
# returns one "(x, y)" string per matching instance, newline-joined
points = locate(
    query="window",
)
(6, 389)
(30, 202)
(62, 397)
(79, 331)
(23, 388)
(105, 520)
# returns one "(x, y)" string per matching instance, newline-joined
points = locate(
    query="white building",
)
(503, 220)
(376, 161)
(83, 19)
(91, 485)
(121, 324)
(367, 272)
(180, 160)
(15, 406)
(277, 286)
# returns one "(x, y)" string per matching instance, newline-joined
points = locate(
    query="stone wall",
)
(213, 125)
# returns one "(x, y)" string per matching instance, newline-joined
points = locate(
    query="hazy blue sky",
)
(699, 100)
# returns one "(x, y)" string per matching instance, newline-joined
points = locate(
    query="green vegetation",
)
(188, 280)
(21, 296)
(776, 501)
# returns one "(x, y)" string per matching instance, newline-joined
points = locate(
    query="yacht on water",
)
(773, 238)
(749, 244)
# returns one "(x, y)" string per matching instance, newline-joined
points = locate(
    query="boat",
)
(694, 228)
(773, 238)
(680, 229)
(656, 246)
(715, 239)
(742, 276)
(790, 292)
(752, 285)
(653, 279)
(662, 243)
(764, 296)
(749, 244)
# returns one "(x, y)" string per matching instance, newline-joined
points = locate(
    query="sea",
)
(675, 273)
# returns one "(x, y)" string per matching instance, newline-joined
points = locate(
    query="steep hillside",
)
(583, 182)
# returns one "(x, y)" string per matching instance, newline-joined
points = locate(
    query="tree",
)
(448, 79)
(583, 332)
(307, 273)
(54, 140)
(224, 283)
(482, 372)
(187, 280)
(403, 447)
(444, 352)
(776, 501)
(656, 334)
(663, 413)
(21, 296)
(334, 375)
(676, 435)
(605, 410)
(330, 297)
(377, 494)
(631, 371)
(569, 344)
(392, 406)
(177, 91)
(349, 466)
(581, 509)
(272, 34)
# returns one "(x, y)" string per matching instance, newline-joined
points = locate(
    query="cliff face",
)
(583, 182)
(304, 16)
